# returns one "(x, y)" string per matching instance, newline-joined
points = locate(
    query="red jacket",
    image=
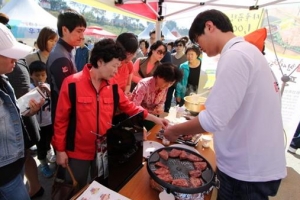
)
(87, 114)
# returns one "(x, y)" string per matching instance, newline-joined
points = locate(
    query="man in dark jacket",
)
(61, 63)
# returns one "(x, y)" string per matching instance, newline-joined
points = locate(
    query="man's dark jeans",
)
(232, 189)
(296, 139)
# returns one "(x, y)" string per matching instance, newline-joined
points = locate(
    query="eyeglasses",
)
(179, 45)
(160, 52)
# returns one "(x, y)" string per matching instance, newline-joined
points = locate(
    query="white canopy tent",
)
(27, 18)
(168, 36)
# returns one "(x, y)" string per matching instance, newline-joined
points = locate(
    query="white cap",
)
(10, 47)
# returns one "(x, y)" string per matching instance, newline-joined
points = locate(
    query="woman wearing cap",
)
(12, 131)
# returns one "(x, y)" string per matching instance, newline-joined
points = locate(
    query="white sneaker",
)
(51, 157)
(33, 148)
(292, 150)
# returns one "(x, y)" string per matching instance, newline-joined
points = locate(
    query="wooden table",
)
(139, 186)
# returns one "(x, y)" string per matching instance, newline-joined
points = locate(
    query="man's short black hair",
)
(37, 66)
(128, 41)
(153, 31)
(70, 19)
(106, 50)
(4, 19)
(219, 19)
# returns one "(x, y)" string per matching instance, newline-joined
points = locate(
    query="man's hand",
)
(62, 158)
(171, 134)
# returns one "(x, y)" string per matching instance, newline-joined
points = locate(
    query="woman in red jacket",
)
(85, 110)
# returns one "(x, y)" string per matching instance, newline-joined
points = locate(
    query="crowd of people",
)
(78, 80)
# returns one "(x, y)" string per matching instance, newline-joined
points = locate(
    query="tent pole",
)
(158, 29)
(159, 20)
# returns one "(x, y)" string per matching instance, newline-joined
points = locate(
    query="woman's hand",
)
(62, 158)
(163, 122)
(129, 95)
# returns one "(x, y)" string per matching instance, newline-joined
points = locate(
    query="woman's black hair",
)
(168, 72)
(146, 43)
(155, 45)
(106, 50)
(195, 48)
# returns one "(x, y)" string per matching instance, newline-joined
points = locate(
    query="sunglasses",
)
(160, 52)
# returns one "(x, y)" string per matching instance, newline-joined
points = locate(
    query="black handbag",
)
(62, 190)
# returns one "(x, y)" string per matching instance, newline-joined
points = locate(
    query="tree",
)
(81, 7)
(99, 14)
(58, 5)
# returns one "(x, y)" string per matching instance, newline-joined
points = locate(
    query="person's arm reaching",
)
(190, 127)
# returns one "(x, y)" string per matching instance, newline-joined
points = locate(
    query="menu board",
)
(100, 192)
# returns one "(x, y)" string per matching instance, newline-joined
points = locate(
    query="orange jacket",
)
(93, 111)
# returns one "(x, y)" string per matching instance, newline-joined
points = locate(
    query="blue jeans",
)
(233, 189)
(15, 189)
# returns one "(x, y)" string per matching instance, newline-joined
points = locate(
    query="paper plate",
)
(184, 146)
(149, 147)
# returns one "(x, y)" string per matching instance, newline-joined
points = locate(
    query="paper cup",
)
(205, 140)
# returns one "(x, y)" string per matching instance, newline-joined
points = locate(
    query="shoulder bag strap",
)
(116, 98)
(72, 119)
(39, 56)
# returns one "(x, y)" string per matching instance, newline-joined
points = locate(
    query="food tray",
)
(180, 169)
(191, 142)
